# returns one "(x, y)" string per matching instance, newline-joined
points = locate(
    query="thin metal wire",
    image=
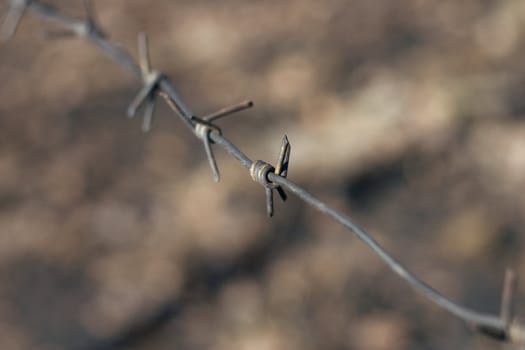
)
(420, 286)
(228, 111)
(13, 17)
(503, 327)
(507, 299)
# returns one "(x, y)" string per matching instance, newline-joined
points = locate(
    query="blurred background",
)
(407, 115)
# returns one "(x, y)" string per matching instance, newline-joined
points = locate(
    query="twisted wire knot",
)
(203, 129)
(259, 172)
(153, 78)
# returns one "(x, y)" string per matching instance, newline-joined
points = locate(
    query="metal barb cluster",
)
(503, 327)
(204, 126)
(89, 27)
(147, 95)
(17, 9)
(511, 331)
(260, 169)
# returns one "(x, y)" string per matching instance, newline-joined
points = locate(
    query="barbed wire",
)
(504, 327)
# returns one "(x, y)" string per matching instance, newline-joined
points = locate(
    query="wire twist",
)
(259, 173)
(260, 170)
(203, 130)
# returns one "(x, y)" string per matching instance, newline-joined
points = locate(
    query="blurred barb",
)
(513, 331)
(502, 327)
(14, 15)
(151, 78)
(507, 300)
(90, 27)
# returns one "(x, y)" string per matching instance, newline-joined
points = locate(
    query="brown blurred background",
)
(408, 115)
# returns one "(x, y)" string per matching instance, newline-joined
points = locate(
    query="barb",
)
(204, 126)
(229, 111)
(89, 27)
(260, 170)
(503, 327)
(151, 78)
(16, 11)
(510, 284)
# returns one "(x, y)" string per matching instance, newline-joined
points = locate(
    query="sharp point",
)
(131, 112)
(142, 36)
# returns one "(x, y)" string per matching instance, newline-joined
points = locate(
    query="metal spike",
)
(507, 301)
(259, 171)
(141, 97)
(269, 201)
(229, 110)
(90, 27)
(92, 18)
(144, 59)
(281, 168)
(148, 113)
(282, 194)
(90, 10)
(211, 159)
(148, 93)
(202, 130)
(12, 19)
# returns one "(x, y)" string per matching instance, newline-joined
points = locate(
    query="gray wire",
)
(420, 286)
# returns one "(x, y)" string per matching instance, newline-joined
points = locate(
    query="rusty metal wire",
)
(503, 327)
